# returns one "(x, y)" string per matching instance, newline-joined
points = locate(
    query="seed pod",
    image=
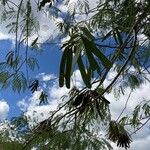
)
(78, 100)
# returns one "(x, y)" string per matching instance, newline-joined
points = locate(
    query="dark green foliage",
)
(43, 98)
(63, 68)
(83, 72)
(68, 72)
(118, 134)
(79, 99)
(70, 140)
(75, 45)
(90, 103)
(10, 146)
(9, 58)
(141, 111)
(106, 39)
(32, 63)
(90, 46)
(34, 42)
(43, 2)
(19, 82)
(34, 86)
(4, 75)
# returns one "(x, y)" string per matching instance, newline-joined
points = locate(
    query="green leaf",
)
(4, 75)
(89, 74)
(87, 33)
(19, 82)
(146, 108)
(107, 36)
(92, 61)
(134, 81)
(34, 86)
(119, 36)
(10, 58)
(68, 68)
(83, 72)
(106, 62)
(32, 63)
(62, 68)
(90, 45)
(43, 97)
(13, 145)
(3, 65)
(34, 42)
(135, 122)
(76, 56)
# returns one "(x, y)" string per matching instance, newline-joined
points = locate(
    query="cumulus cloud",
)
(30, 105)
(137, 96)
(4, 109)
(47, 27)
(33, 110)
(46, 77)
(141, 144)
(47, 19)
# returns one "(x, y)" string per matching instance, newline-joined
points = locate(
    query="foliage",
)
(108, 37)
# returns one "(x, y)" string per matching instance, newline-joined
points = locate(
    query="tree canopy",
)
(100, 37)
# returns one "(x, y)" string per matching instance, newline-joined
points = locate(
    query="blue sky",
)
(48, 63)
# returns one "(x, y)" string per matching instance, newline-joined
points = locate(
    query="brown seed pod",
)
(78, 100)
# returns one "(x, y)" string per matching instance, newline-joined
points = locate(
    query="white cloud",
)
(141, 144)
(33, 110)
(28, 103)
(23, 105)
(36, 114)
(4, 109)
(47, 26)
(136, 97)
(46, 77)
(31, 104)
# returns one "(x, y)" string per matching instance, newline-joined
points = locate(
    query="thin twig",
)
(141, 126)
(125, 105)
